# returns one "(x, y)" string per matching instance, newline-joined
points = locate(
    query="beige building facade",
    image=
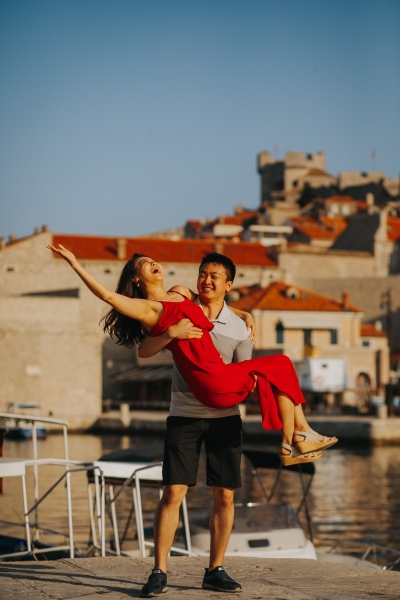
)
(50, 341)
(284, 332)
(301, 324)
(53, 350)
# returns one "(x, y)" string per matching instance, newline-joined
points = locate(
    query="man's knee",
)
(223, 497)
(173, 495)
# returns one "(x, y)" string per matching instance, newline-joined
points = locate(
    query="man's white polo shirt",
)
(231, 338)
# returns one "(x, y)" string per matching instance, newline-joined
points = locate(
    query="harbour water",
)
(354, 500)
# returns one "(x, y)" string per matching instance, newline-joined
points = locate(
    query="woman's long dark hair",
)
(122, 329)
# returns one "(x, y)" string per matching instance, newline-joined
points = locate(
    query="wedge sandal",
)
(312, 443)
(295, 458)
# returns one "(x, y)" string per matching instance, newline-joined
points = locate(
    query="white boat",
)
(18, 427)
(267, 529)
(261, 530)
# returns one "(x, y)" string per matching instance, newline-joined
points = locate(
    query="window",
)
(366, 343)
(307, 333)
(279, 333)
(334, 336)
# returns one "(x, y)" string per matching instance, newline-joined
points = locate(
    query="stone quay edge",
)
(348, 428)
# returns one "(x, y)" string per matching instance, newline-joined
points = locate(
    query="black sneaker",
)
(156, 584)
(219, 581)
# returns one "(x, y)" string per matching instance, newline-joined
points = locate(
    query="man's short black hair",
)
(220, 259)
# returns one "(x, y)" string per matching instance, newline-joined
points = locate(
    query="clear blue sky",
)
(124, 117)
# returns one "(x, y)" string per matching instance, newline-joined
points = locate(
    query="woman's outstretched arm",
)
(135, 308)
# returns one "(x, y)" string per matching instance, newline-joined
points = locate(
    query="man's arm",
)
(182, 330)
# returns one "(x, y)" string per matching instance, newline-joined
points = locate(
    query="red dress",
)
(219, 385)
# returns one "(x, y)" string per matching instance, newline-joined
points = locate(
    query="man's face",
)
(212, 284)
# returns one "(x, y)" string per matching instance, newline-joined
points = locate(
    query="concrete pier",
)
(348, 428)
(115, 578)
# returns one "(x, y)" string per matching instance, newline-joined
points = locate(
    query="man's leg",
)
(181, 457)
(221, 523)
(166, 523)
(223, 443)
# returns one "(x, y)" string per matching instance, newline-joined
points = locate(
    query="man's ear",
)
(228, 286)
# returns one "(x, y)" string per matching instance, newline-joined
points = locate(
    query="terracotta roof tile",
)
(281, 296)
(393, 228)
(165, 250)
(240, 218)
(315, 172)
(369, 330)
(237, 219)
(340, 199)
(324, 228)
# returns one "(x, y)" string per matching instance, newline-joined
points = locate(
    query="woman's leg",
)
(286, 409)
(300, 421)
(300, 425)
(291, 417)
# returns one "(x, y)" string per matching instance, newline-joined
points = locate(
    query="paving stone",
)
(120, 578)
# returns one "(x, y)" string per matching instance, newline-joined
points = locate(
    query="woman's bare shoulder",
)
(184, 291)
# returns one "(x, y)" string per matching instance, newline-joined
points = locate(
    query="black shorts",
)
(222, 437)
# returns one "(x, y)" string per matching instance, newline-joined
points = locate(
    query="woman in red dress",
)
(142, 306)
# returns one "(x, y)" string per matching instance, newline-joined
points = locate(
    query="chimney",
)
(345, 300)
(121, 248)
(219, 248)
(370, 199)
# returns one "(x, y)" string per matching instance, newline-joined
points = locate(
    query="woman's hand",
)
(248, 319)
(184, 330)
(64, 253)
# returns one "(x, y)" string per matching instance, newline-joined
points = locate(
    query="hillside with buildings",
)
(318, 264)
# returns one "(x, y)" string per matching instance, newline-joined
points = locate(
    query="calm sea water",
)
(354, 499)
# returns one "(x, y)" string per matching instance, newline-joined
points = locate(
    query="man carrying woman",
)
(141, 305)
